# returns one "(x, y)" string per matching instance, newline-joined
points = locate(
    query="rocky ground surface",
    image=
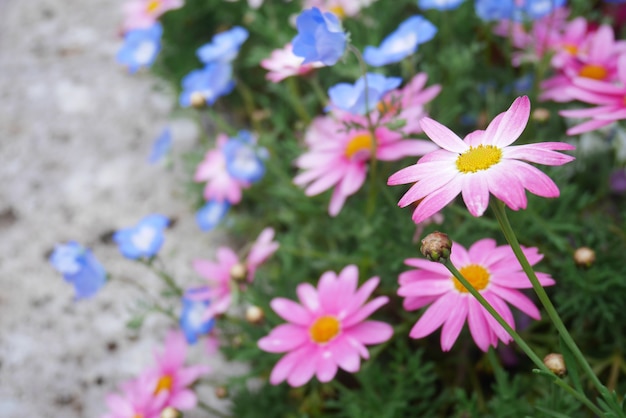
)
(75, 133)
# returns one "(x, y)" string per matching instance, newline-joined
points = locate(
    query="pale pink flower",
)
(327, 330)
(220, 274)
(492, 270)
(595, 58)
(220, 186)
(610, 99)
(138, 399)
(144, 13)
(282, 63)
(483, 163)
(338, 157)
(341, 8)
(173, 377)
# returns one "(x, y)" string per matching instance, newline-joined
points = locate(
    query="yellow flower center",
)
(324, 329)
(572, 49)
(360, 145)
(338, 11)
(478, 158)
(596, 72)
(165, 383)
(138, 416)
(477, 275)
(153, 5)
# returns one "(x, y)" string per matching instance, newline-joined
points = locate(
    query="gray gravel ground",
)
(75, 132)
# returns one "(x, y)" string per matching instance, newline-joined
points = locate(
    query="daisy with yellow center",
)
(492, 270)
(327, 330)
(483, 163)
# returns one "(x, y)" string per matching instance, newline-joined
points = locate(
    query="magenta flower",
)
(223, 274)
(492, 270)
(173, 377)
(144, 13)
(138, 399)
(283, 63)
(609, 98)
(482, 163)
(339, 158)
(327, 330)
(220, 185)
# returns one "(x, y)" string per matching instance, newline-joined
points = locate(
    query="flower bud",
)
(170, 412)
(238, 272)
(436, 247)
(221, 392)
(254, 314)
(584, 256)
(197, 100)
(555, 363)
(541, 114)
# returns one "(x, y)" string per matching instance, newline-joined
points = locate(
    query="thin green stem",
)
(509, 234)
(296, 101)
(167, 279)
(518, 339)
(220, 122)
(248, 103)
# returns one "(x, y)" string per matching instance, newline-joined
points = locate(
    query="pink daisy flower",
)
(492, 270)
(173, 377)
(144, 13)
(223, 274)
(327, 330)
(482, 163)
(341, 8)
(220, 186)
(609, 98)
(338, 157)
(138, 399)
(282, 63)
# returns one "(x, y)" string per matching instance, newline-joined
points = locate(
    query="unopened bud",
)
(238, 272)
(197, 100)
(170, 412)
(541, 114)
(584, 256)
(436, 247)
(254, 314)
(555, 363)
(221, 392)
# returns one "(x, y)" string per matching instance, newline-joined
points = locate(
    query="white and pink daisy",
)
(174, 378)
(341, 8)
(220, 185)
(138, 399)
(141, 14)
(327, 330)
(282, 63)
(609, 98)
(483, 163)
(493, 270)
(223, 276)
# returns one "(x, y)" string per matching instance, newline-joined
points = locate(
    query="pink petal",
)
(285, 365)
(188, 375)
(405, 148)
(413, 303)
(513, 123)
(337, 201)
(504, 311)
(443, 136)
(303, 370)
(588, 126)
(326, 366)
(434, 202)
(368, 309)
(434, 316)
(517, 299)
(291, 311)
(536, 153)
(308, 296)
(504, 185)
(478, 325)
(346, 356)
(426, 186)
(454, 324)
(283, 338)
(475, 192)
(353, 179)
(535, 180)
(327, 292)
(183, 400)
(481, 250)
(360, 296)
(326, 181)
(371, 332)
(430, 287)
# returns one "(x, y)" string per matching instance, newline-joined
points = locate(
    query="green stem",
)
(505, 225)
(248, 103)
(220, 122)
(296, 101)
(169, 281)
(518, 339)
(212, 410)
(317, 89)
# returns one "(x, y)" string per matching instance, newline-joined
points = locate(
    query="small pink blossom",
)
(138, 399)
(220, 185)
(144, 13)
(483, 163)
(173, 377)
(492, 270)
(327, 330)
(220, 274)
(282, 63)
(341, 8)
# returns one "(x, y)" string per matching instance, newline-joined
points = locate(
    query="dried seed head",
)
(254, 314)
(555, 363)
(238, 272)
(436, 247)
(584, 256)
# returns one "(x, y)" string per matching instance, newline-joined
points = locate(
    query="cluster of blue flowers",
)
(140, 47)
(511, 10)
(352, 97)
(79, 267)
(216, 78)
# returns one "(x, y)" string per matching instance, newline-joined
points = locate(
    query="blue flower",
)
(352, 97)
(243, 158)
(508, 9)
(209, 83)
(536, 9)
(224, 46)
(144, 239)
(79, 266)
(400, 43)
(161, 146)
(191, 317)
(211, 214)
(439, 4)
(494, 9)
(140, 48)
(320, 37)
